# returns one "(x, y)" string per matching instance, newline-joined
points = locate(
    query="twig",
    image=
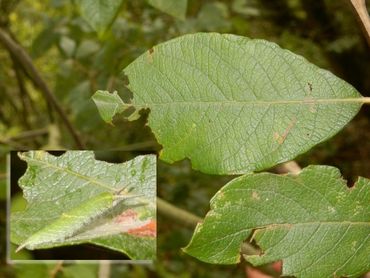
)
(176, 214)
(104, 269)
(145, 146)
(30, 134)
(359, 7)
(13, 144)
(25, 60)
(23, 95)
(11, 100)
(58, 267)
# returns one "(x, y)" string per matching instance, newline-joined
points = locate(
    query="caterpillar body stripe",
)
(73, 221)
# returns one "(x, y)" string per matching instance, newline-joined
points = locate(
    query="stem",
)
(25, 60)
(57, 268)
(104, 269)
(13, 144)
(178, 215)
(366, 100)
(359, 7)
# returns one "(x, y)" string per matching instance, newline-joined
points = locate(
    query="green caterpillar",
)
(71, 222)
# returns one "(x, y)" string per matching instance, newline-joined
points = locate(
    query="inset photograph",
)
(82, 205)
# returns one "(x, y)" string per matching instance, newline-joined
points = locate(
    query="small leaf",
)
(176, 8)
(110, 104)
(67, 45)
(313, 222)
(100, 14)
(233, 105)
(61, 189)
(86, 49)
(45, 40)
(80, 270)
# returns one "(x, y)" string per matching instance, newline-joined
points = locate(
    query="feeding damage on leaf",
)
(281, 138)
(231, 90)
(110, 104)
(312, 214)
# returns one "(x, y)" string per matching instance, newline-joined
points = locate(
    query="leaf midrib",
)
(309, 101)
(94, 181)
(271, 226)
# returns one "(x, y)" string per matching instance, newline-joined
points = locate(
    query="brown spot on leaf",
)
(150, 55)
(312, 108)
(149, 230)
(281, 138)
(255, 195)
(309, 86)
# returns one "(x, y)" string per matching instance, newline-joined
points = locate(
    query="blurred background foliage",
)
(76, 56)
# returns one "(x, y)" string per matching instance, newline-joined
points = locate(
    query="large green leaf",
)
(176, 8)
(313, 222)
(234, 105)
(99, 13)
(53, 186)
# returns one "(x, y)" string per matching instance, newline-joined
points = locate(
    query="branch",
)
(25, 60)
(30, 134)
(23, 95)
(13, 144)
(360, 9)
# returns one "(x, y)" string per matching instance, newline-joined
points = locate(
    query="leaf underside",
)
(312, 222)
(54, 185)
(233, 105)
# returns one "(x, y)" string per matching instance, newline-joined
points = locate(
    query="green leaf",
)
(40, 270)
(233, 105)
(176, 8)
(100, 14)
(58, 186)
(67, 45)
(109, 104)
(313, 222)
(214, 16)
(45, 40)
(81, 270)
(86, 49)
